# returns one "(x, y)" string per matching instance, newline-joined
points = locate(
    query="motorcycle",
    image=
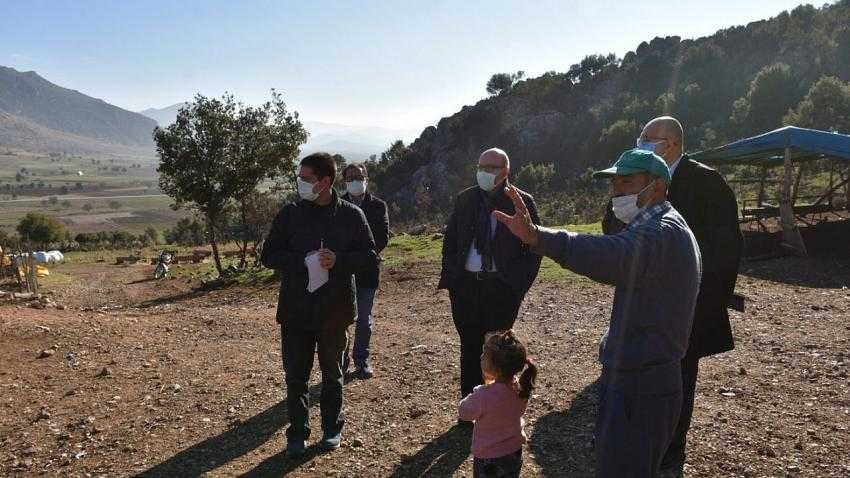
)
(164, 261)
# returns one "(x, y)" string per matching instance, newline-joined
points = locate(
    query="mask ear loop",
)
(644, 190)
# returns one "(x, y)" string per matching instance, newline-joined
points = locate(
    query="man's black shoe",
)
(365, 372)
(296, 448)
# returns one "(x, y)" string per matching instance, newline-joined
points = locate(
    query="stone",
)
(31, 451)
(46, 353)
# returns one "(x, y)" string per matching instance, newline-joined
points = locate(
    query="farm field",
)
(87, 194)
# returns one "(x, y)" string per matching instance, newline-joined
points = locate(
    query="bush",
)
(187, 233)
(40, 229)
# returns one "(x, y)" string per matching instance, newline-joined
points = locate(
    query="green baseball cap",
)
(637, 161)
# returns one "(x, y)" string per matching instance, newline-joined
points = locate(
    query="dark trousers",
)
(507, 466)
(633, 430)
(478, 307)
(675, 456)
(298, 348)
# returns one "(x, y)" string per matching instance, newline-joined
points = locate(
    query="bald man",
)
(708, 204)
(486, 269)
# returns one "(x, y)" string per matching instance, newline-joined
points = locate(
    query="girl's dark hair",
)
(509, 357)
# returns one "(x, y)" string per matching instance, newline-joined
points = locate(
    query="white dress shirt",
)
(474, 261)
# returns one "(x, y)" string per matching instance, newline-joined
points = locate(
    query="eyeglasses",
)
(490, 169)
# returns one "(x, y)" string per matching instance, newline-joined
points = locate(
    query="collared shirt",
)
(358, 200)
(647, 214)
(675, 165)
(474, 261)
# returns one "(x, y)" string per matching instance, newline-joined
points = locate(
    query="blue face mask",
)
(651, 146)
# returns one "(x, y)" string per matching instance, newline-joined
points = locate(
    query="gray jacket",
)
(656, 267)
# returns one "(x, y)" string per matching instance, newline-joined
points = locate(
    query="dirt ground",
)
(162, 379)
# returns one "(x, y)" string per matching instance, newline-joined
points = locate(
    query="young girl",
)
(497, 406)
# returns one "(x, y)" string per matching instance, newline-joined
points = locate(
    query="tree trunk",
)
(244, 239)
(211, 226)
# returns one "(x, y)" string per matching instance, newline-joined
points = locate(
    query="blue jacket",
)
(655, 266)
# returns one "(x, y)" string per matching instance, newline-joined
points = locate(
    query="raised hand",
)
(520, 223)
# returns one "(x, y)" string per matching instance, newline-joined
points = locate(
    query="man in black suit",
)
(486, 269)
(707, 203)
(356, 179)
(320, 232)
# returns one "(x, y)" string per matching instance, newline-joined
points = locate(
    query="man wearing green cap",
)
(641, 353)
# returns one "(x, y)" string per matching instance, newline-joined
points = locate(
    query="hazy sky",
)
(392, 64)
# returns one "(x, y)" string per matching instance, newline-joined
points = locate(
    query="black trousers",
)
(507, 466)
(675, 455)
(298, 348)
(478, 307)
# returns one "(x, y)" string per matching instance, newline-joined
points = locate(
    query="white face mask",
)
(355, 188)
(305, 190)
(486, 181)
(625, 207)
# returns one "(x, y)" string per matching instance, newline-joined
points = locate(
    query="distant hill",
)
(356, 143)
(163, 116)
(39, 115)
(584, 115)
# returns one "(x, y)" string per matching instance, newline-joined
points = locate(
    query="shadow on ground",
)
(441, 457)
(562, 441)
(170, 299)
(825, 270)
(238, 441)
(142, 281)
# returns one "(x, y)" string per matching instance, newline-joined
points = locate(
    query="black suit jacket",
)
(517, 265)
(302, 227)
(707, 203)
(379, 222)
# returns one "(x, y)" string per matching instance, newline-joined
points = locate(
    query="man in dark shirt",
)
(486, 270)
(315, 308)
(356, 179)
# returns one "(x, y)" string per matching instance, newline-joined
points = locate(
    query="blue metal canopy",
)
(769, 148)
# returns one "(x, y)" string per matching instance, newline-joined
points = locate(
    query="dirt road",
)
(159, 379)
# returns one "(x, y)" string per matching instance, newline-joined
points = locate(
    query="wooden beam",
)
(791, 237)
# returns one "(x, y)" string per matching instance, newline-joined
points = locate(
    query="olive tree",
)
(219, 150)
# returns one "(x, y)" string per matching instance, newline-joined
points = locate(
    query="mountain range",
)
(356, 143)
(739, 82)
(38, 115)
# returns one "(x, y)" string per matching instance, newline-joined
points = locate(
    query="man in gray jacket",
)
(655, 266)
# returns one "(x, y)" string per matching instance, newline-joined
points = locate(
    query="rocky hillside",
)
(37, 114)
(585, 116)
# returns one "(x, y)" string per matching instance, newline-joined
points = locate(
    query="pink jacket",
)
(497, 411)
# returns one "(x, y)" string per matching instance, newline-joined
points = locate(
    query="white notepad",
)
(318, 275)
